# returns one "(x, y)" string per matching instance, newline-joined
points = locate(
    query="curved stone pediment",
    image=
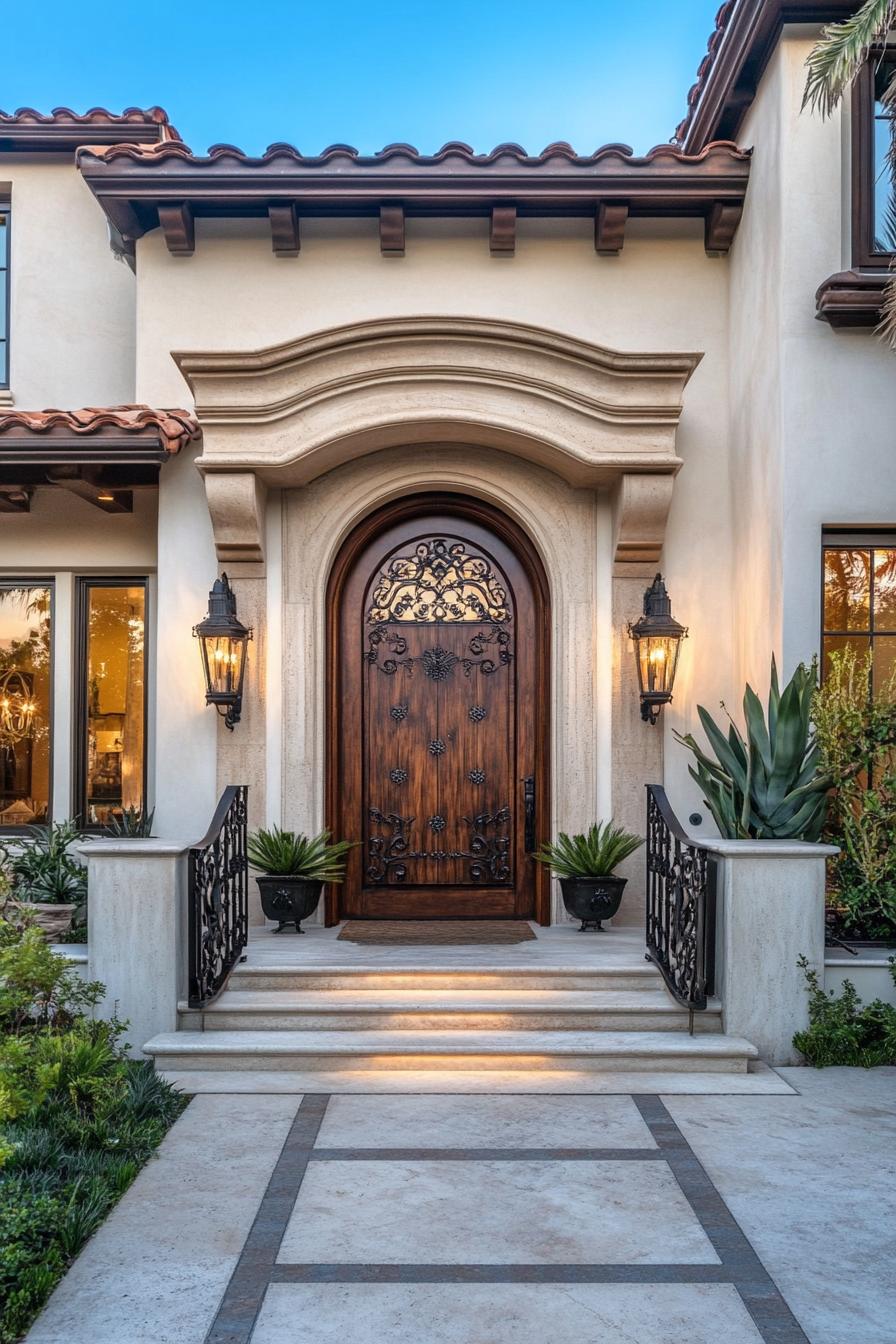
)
(284, 415)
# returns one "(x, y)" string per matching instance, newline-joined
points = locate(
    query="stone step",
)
(419, 1010)
(637, 975)
(311, 1050)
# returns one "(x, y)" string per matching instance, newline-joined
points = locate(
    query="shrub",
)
(78, 1119)
(856, 736)
(843, 1031)
(38, 988)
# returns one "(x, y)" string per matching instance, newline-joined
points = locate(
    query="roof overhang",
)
(101, 455)
(739, 49)
(167, 186)
(62, 131)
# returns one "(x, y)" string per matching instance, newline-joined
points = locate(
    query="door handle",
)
(529, 813)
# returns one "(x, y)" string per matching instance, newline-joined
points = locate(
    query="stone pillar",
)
(770, 912)
(138, 935)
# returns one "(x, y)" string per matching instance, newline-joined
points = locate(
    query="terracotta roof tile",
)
(175, 428)
(63, 130)
(166, 150)
(723, 18)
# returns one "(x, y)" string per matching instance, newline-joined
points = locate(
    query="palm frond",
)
(837, 58)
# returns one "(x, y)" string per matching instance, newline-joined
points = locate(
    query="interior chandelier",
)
(17, 707)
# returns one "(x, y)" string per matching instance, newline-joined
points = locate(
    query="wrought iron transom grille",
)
(443, 582)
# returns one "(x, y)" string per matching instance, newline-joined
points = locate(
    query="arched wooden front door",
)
(438, 714)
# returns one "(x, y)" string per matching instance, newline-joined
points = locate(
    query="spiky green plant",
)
(769, 784)
(833, 65)
(595, 854)
(285, 854)
(130, 823)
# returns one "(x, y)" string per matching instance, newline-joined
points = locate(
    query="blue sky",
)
(364, 73)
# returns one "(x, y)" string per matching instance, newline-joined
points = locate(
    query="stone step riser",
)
(181, 1061)
(511, 981)
(233, 1019)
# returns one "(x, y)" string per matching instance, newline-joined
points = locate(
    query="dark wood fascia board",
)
(852, 298)
(136, 189)
(23, 448)
(747, 41)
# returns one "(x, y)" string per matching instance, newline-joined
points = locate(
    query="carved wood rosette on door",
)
(438, 669)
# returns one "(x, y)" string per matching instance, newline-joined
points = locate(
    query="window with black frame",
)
(111, 727)
(4, 293)
(26, 701)
(859, 599)
(874, 182)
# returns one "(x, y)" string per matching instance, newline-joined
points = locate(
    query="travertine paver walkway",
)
(471, 1219)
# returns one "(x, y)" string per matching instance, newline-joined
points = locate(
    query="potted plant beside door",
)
(294, 869)
(585, 865)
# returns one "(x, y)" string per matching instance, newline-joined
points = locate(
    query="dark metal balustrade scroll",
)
(217, 897)
(681, 906)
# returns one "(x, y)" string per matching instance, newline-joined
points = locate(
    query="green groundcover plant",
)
(843, 1030)
(78, 1119)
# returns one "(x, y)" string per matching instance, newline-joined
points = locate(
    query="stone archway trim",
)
(284, 415)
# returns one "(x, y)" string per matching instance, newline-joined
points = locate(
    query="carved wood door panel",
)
(438, 661)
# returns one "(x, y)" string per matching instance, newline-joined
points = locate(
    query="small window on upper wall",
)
(873, 185)
(26, 621)
(860, 599)
(4, 294)
(111, 725)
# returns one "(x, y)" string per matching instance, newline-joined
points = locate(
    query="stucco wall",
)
(72, 302)
(662, 293)
(812, 409)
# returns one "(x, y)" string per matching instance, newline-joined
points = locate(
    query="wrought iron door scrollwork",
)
(488, 851)
(478, 647)
(399, 646)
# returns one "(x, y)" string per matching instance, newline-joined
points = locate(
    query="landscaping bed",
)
(78, 1119)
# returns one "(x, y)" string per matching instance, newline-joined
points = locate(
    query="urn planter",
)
(53, 920)
(592, 899)
(289, 900)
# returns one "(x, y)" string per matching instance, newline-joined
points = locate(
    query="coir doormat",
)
(435, 933)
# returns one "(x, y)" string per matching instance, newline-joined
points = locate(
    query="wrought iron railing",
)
(681, 905)
(217, 899)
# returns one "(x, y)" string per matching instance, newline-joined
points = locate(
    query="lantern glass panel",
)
(223, 657)
(657, 659)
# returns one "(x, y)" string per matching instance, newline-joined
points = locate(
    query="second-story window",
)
(873, 183)
(4, 294)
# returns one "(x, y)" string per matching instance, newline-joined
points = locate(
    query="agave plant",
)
(285, 854)
(130, 823)
(767, 785)
(594, 854)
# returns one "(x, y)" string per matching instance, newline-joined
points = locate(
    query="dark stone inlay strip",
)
(644, 1274)
(740, 1266)
(241, 1303)
(487, 1155)
(760, 1294)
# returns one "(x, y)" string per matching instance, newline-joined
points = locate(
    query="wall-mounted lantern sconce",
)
(657, 638)
(222, 643)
